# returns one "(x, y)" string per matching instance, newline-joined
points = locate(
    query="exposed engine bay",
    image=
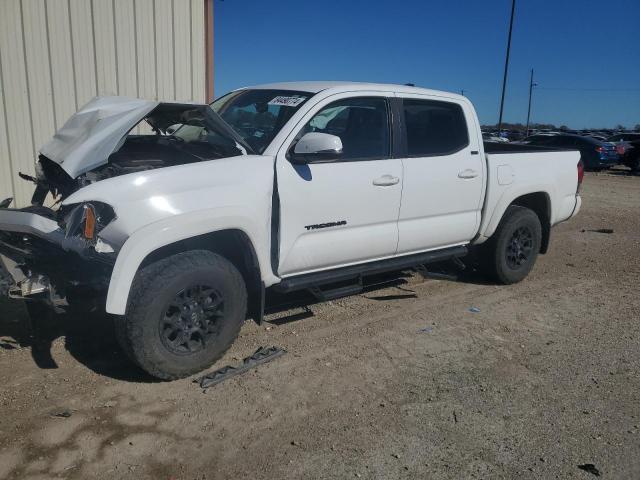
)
(177, 134)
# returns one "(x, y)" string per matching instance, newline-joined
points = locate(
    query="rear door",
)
(346, 211)
(443, 174)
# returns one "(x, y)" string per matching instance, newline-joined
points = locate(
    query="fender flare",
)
(174, 229)
(507, 197)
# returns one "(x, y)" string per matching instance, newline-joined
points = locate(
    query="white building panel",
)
(61, 60)
(126, 50)
(16, 97)
(55, 55)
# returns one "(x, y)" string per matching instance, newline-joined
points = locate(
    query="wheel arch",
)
(538, 201)
(233, 243)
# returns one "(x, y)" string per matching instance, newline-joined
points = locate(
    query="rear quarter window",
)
(434, 127)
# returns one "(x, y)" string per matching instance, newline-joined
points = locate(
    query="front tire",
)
(184, 312)
(509, 255)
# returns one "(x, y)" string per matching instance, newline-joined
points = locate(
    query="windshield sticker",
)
(287, 101)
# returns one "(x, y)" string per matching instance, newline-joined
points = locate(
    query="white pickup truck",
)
(180, 216)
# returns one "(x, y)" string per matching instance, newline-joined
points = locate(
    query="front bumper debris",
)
(25, 222)
(30, 286)
(38, 261)
(260, 356)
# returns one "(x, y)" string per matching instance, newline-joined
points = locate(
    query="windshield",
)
(258, 115)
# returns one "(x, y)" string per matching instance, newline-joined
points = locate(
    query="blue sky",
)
(586, 54)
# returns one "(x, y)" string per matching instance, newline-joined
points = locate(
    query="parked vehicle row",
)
(600, 149)
(595, 154)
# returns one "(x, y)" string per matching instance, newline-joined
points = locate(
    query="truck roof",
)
(317, 86)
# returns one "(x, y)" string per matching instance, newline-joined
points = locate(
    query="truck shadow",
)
(292, 307)
(88, 337)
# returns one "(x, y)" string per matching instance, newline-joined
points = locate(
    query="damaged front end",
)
(55, 249)
(55, 256)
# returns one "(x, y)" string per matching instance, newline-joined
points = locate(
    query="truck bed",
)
(515, 170)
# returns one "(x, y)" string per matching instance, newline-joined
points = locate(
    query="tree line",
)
(549, 126)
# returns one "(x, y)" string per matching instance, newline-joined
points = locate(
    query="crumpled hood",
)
(87, 139)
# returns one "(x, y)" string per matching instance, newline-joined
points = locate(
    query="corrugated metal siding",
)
(55, 55)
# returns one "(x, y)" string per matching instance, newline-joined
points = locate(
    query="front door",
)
(346, 211)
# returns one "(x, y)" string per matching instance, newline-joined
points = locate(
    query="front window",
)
(258, 115)
(361, 123)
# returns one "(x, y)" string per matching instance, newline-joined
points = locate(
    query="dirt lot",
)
(399, 382)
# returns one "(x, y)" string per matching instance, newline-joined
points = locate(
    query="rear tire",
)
(184, 312)
(509, 255)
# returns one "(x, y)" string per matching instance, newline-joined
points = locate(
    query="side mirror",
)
(316, 147)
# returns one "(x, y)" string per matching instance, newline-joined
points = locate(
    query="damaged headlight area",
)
(83, 222)
(56, 256)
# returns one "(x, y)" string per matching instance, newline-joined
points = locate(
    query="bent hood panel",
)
(87, 139)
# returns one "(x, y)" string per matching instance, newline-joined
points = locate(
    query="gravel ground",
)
(398, 382)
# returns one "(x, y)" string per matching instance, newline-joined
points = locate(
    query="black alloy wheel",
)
(192, 319)
(519, 247)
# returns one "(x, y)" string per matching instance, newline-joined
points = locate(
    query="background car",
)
(538, 138)
(595, 154)
(628, 147)
(598, 137)
(492, 137)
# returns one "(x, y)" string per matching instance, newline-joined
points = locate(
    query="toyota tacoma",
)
(179, 217)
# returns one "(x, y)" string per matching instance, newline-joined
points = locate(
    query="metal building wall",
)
(55, 55)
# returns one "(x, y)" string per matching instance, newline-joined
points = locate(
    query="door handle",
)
(386, 181)
(468, 173)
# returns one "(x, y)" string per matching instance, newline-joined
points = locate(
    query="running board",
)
(339, 292)
(355, 272)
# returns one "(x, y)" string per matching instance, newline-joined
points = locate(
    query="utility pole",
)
(531, 85)
(506, 65)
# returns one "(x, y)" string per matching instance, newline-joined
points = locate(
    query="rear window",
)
(561, 141)
(434, 128)
(588, 141)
